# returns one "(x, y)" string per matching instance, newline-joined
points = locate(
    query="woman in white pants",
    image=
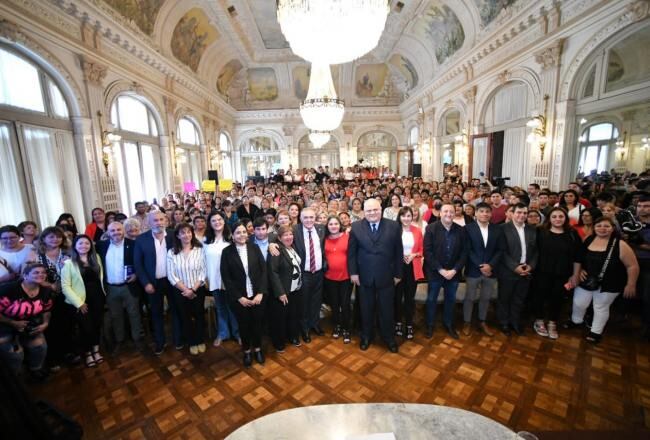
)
(619, 275)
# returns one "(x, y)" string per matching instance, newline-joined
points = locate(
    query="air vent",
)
(232, 11)
(399, 6)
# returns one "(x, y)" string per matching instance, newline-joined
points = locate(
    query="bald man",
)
(375, 265)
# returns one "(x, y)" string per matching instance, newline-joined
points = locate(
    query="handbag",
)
(593, 282)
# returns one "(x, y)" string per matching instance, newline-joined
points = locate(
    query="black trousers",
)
(510, 302)
(548, 294)
(192, 312)
(284, 321)
(380, 299)
(250, 324)
(339, 294)
(312, 287)
(58, 332)
(405, 296)
(90, 323)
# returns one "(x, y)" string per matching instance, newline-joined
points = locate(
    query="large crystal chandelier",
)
(319, 138)
(332, 31)
(321, 111)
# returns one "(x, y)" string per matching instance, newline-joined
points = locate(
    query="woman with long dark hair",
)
(570, 201)
(217, 238)
(558, 244)
(244, 274)
(336, 283)
(81, 281)
(186, 271)
(67, 219)
(98, 226)
(585, 226)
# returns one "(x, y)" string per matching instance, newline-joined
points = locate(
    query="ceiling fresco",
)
(490, 9)
(440, 27)
(142, 12)
(192, 35)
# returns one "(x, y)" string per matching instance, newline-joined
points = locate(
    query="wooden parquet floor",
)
(526, 383)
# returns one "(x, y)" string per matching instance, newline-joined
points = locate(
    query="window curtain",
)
(42, 157)
(13, 205)
(71, 183)
(515, 155)
(479, 157)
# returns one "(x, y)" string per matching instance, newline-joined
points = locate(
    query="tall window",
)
(226, 156)
(188, 151)
(311, 157)
(378, 148)
(414, 138)
(137, 154)
(596, 144)
(260, 156)
(39, 178)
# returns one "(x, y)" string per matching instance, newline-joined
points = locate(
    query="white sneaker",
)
(540, 328)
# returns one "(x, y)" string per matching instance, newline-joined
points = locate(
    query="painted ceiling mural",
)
(267, 23)
(262, 84)
(490, 9)
(440, 28)
(370, 80)
(226, 76)
(142, 12)
(192, 35)
(405, 69)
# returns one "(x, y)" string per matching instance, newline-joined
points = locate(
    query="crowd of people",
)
(275, 254)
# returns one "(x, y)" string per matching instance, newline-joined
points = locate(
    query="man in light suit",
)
(480, 271)
(120, 282)
(309, 243)
(150, 261)
(518, 260)
(375, 264)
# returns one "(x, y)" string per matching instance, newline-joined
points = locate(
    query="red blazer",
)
(418, 248)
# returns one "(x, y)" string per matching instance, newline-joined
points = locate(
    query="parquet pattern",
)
(526, 383)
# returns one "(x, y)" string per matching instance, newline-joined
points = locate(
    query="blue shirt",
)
(263, 245)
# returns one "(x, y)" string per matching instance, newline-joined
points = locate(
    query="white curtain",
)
(71, 183)
(510, 103)
(515, 155)
(479, 157)
(11, 199)
(43, 160)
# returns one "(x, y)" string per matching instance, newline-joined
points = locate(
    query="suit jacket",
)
(511, 250)
(479, 252)
(418, 248)
(434, 239)
(234, 276)
(254, 212)
(299, 244)
(129, 245)
(144, 257)
(280, 273)
(377, 258)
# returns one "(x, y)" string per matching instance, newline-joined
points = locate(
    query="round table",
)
(406, 421)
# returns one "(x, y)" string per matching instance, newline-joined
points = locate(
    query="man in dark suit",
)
(519, 257)
(480, 272)
(309, 243)
(375, 264)
(120, 281)
(445, 255)
(150, 261)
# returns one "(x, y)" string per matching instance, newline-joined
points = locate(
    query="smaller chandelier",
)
(319, 138)
(322, 110)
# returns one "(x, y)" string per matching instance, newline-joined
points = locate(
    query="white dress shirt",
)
(213, 263)
(408, 241)
(161, 256)
(115, 263)
(522, 239)
(484, 232)
(243, 256)
(318, 254)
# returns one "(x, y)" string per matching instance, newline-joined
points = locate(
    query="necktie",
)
(374, 227)
(312, 255)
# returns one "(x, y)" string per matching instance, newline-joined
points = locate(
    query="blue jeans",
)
(226, 320)
(157, 305)
(450, 300)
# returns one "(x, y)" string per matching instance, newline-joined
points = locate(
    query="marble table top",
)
(406, 421)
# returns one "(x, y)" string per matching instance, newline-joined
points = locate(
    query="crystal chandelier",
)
(321, 111)
(332, 31)
(319, 138)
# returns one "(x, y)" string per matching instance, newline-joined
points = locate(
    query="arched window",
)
(311, 157)
(413, 140)
(188, 152)
(137, 153)
(226, 155)
(377, 148)
(39, 175)
(260, 156)
(596, 145)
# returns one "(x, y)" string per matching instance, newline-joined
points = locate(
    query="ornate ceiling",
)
(237, 46)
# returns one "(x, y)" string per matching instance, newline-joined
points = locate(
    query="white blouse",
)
(186, 268)
(408, 241)
(213, 263)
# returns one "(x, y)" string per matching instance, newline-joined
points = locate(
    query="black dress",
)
(90, 323)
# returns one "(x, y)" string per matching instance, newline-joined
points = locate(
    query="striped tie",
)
(312, 255)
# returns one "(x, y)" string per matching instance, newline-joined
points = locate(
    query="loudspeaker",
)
(417, 170)
(213, 175)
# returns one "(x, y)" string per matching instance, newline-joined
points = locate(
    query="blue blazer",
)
(479, 253)
(377, 258)
(144, 257)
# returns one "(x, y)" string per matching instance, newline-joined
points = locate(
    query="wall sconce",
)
(646, 143)
(108, 138)
(621, 149)
(538, 125)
